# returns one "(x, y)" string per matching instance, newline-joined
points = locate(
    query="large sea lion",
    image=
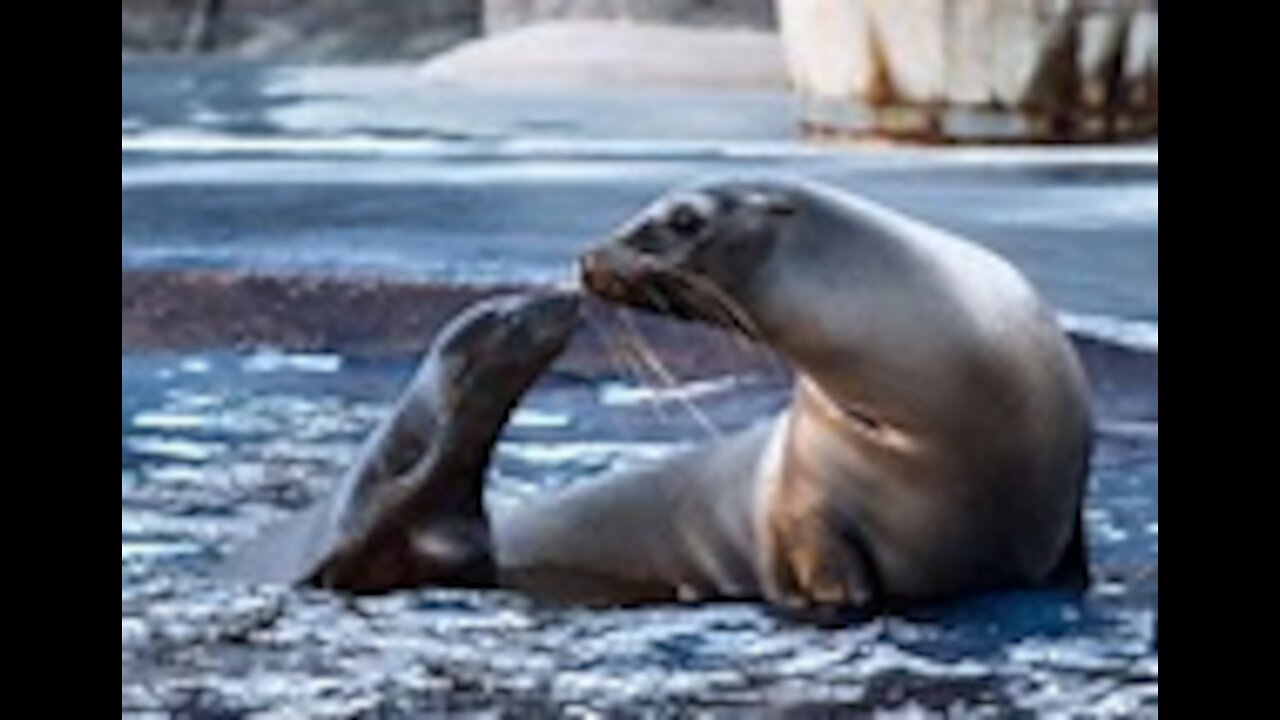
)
(937, 444)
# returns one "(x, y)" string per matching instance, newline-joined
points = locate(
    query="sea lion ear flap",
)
(774, 204)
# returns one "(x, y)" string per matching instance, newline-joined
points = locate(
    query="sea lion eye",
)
(686, 221)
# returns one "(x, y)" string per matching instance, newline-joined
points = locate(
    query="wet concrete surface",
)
(288, 234)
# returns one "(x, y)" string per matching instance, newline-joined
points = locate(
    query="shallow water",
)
(214, 447)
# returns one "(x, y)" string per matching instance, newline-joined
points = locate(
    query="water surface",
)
(214, 447)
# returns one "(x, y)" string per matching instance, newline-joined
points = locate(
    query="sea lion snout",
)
(612, 273)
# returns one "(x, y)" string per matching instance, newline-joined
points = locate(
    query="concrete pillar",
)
(1006, 70)
(1142, 60)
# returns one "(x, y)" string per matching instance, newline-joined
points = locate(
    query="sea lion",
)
(410, 511)
(937, 443)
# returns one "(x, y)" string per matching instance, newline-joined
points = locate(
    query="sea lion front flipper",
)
(816, 575)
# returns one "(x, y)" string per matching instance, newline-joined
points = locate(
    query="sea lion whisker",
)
(626, 362)
(650, 358)
(614, 349)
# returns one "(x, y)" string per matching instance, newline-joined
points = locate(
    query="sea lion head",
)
(486, 358)
(695, 254)
(861, 300)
